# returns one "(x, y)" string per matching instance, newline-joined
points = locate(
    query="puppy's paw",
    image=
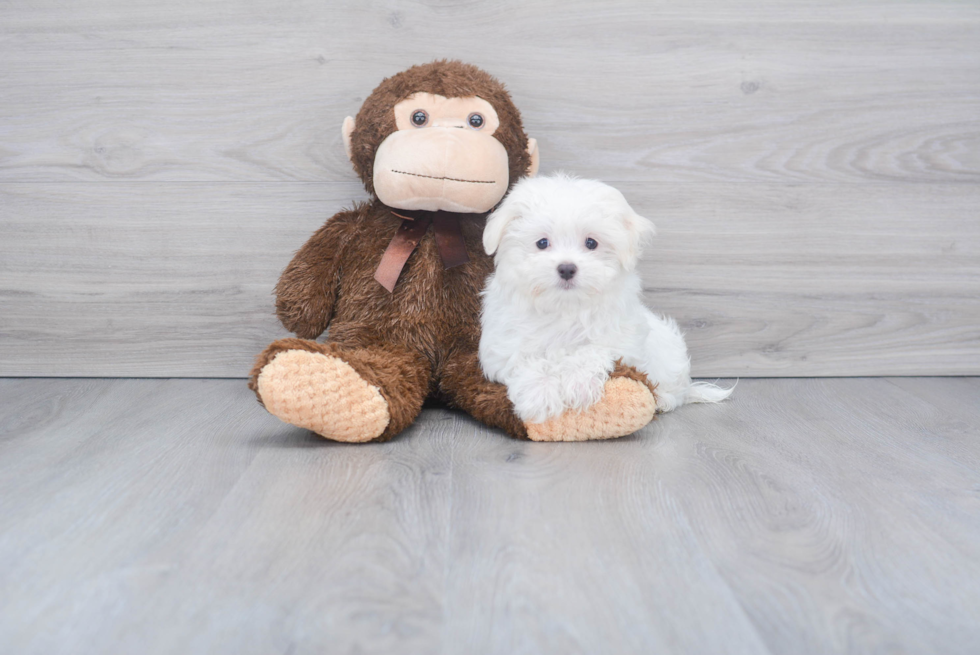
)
(627, 405)
(536, 398)
(582, 376)
(666, 402)
(583, 389)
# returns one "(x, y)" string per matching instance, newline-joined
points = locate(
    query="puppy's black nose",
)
(567, 271)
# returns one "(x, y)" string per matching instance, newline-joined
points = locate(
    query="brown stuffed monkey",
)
(397, 279)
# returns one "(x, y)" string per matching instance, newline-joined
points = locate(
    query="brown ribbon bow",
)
(449, 241)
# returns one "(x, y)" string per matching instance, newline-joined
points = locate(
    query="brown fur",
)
(418, 341)
(623, 371)
(422, 339)
(451, 79)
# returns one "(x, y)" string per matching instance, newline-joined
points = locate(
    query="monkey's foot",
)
(324, 394)
(628, 404)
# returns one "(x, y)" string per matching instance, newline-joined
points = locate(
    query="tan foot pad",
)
(626, 406)
(323, 394)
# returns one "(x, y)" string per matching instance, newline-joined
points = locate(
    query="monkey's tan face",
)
(442, 156)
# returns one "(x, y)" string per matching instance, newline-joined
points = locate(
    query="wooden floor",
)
(803, 516)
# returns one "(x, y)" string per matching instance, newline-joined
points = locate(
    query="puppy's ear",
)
(497, 222)
(639, 231)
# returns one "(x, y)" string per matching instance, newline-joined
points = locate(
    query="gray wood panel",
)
(813, 167)
(646, 91)
(801, 516)
(176, 279)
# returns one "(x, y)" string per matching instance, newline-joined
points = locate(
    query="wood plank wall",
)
(813, 167)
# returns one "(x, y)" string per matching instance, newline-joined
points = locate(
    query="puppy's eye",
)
(475, 120)
(419, 118)
(591, 243)
(542, 244)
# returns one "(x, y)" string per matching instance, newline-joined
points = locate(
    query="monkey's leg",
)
(462, 382)
(341, 393)
(628, 404)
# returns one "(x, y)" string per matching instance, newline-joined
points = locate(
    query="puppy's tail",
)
(705, 392)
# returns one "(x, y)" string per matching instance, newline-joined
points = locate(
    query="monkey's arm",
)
(307, 289)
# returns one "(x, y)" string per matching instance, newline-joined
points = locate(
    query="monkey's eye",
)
(419, 118)
(542, 244)
(475, 120)
(591, 243)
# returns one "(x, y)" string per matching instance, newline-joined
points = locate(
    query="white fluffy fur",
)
(554, 342)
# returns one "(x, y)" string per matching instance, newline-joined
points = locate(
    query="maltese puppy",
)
(564, 302)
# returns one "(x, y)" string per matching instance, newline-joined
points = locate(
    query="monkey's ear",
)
(532, 149)
(347, 130)
(497, 222)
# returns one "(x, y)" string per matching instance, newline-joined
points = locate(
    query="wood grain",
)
(114, 284)
(820, 504)
(813, 166)
(818, 446)
(199, 523)
(578, 550)
(801, 516)
(627, 91)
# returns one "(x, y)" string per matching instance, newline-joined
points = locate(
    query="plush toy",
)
(397, 280)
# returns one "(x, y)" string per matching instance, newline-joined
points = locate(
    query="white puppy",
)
(564, 302)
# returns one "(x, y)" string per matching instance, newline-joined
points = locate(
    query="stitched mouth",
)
(451, 179)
